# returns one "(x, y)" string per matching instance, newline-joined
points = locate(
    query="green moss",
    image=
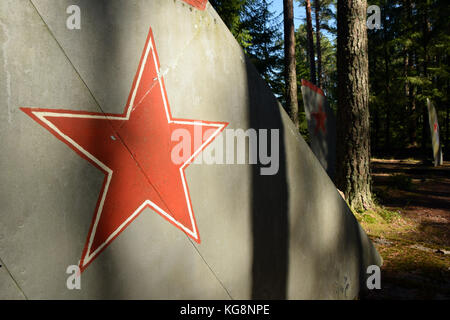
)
(378, 215)
(368, 218)
(387, 215)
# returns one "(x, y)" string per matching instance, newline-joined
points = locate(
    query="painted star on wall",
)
(320, 117)
(133, 150)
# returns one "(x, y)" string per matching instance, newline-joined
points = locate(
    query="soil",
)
(413, 237)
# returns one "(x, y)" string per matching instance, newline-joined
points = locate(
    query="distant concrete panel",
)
(434, 128)
(220, 231)
(321, 126)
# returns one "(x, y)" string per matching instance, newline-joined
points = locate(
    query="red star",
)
(133, 150)
(199, 4)
(320, 117)
(435, 126)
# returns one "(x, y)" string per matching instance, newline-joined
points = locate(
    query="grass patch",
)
(388, 215)
(378, 215)
(368, 218)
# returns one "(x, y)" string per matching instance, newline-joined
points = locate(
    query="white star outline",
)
(42, 116)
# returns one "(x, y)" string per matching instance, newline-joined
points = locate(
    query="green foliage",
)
(378, 215)
(230, 11)
(408, 63)
(259, 32)
(368, 218)
(265, 48)
(387, 215)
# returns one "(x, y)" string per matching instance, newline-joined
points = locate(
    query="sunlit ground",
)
(411, 229)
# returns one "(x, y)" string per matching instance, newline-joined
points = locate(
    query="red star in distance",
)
(199, 4)
(133, 150)
(320, 117)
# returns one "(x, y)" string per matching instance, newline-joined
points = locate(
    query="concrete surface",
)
(434, 133)
(322, 131)
(285, 236)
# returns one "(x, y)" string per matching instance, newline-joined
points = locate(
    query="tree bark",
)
(425, 125)
(309, 32)
(319, 52)
(447, 117)
(387, 88)
(289, 60)
(412, 119)
(410, 90)
(353, 156)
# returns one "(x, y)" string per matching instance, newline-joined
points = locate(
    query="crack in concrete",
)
(210, 268)
(171, 66)
(13, 279)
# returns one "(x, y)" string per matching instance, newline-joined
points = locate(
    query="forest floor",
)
(410, 229)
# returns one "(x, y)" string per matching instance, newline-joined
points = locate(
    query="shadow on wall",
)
(270, 198)
(335, 262)
(108, 262)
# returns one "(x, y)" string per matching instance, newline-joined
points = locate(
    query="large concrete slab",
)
(288, 235)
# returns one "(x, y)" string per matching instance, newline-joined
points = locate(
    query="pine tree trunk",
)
(412, 119)
(447, 120)
(387, 88)
(353, 155)
(376, 130)
(309, 32)
(425, 124)
(319, 53)
(289, 59)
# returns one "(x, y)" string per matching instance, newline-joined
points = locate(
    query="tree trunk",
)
(353, 156)
(309, 32)
(376, 130)
(387, 88)
(289, 60)
(319, 53)
(447, 120)
(410, 90)
(412, 121)
(425, 124)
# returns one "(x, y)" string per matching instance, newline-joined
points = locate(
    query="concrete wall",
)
(288, 235)
(322, 131)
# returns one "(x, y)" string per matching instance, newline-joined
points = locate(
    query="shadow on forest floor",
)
(411, 229)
